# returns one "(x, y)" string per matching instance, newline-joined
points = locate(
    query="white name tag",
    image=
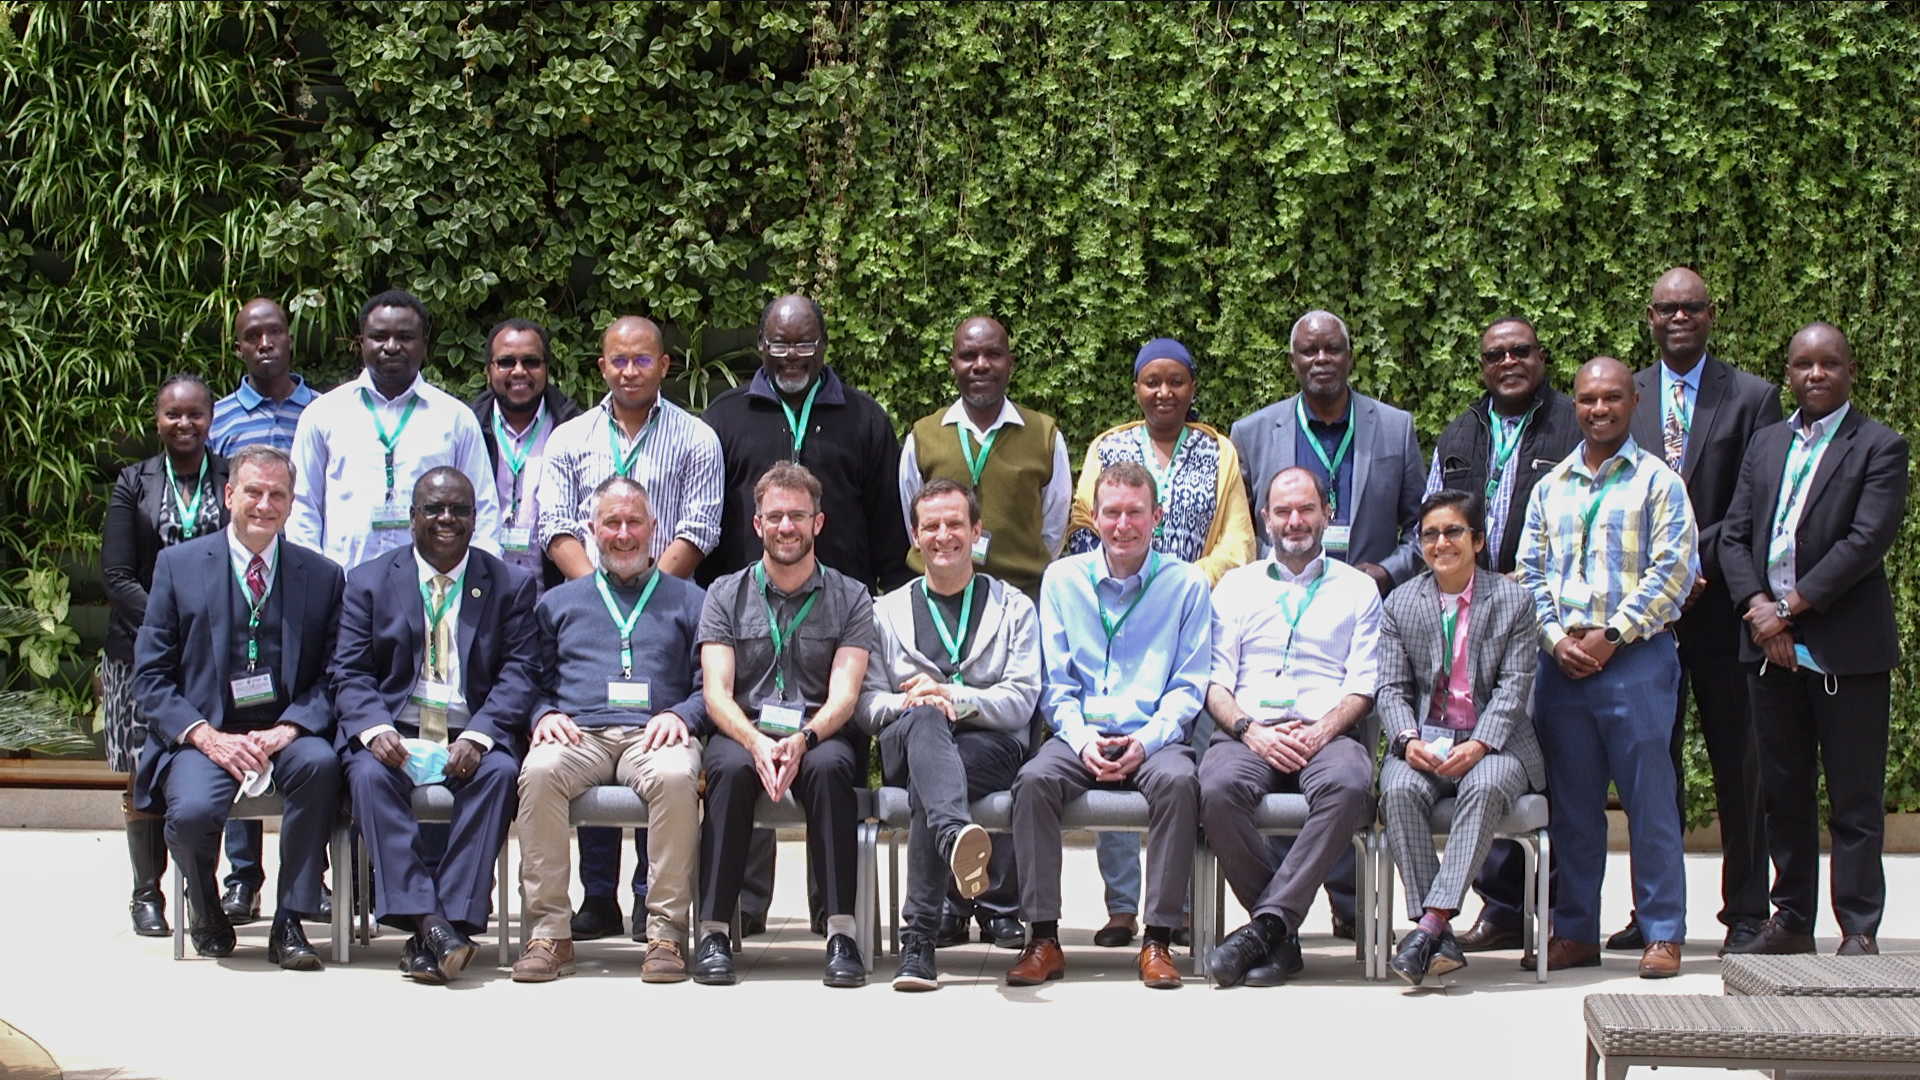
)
(1439, 740)
(1576, 593)
(980, 548)
(628, 695)
(516, 538)
(1336, 537)
(389, 515)
(780, 718)
(1101, 710)
(432, 695)
(1276, 697)
(254, 689)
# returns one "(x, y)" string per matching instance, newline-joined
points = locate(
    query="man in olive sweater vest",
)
(1014, 459)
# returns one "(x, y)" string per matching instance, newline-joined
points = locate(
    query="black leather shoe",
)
(417, 963)
(1342, 928)
(1775, 940)
(844, 966)
(713, 962)
(954, 930)
(1004, 932)
(598, 916)
(1447, 956)
(241, 903)
(1242, 951)
(1117, 934)
(1629, 939)
(1183, 937)
(149, 916)
(1858, 945)
(917, 971)
(212, 935)
(288, 947)
(752, 924)
(1486, 937)
(451, 949)
(1416, 952)
(325, 914)
(1740, 934)
(1283, 962)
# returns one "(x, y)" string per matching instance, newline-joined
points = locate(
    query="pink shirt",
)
(1460, 715)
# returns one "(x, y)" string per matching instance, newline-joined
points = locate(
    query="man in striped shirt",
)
(1609, 554)
(266, 407)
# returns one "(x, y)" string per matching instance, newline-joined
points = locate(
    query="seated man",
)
(434, 679)
(1457, 659)
(951, 696)
(618, 641)
(783, 648)
(230, 673)
(1288, 694)
(1124, 631)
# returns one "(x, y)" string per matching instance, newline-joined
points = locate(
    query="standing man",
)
(1817, 508)
(1499, 448)
(1126, 634)
(1365, 454)
(518, 412)
(1287, 696)
(637, 433)
(434, 680)
(1701, 413)
(951, 696)
(783, 649)
(231, 675)
(1609, 555)
(361, 447)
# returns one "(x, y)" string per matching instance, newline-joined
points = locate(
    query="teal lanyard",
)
(781, 637)
(254, 608)
(799, 424)
(625, 462)
(975, 466)
(1112, 625)
(1339, 455)
(1161, 478)
(391, 442)
(1798, 477)
(1449, 622)
(627, 622)
(517, 462)
(1503, 448)
(1293, 613)
(435, 615)
(189, 512)
(1599, 489)
(954, 639)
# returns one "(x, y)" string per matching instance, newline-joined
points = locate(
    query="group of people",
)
(381, 587)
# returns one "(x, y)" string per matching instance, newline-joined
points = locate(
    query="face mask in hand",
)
(426, 761)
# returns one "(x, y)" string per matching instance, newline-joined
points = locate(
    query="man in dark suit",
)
(230, 672)
(1699, 413)
(434, 679)
(1804, 549)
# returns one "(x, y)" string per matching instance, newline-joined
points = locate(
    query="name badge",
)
(1336, 538)
(628, 695)
(1576, 593)
(516, 538)
(254, 689)
(1101, 710)
(1276, 697)
(780, 718)
(1439, 740)
(390, 515)
(432, 695)
(980, 548)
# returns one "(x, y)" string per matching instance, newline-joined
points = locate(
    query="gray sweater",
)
(1001, 668)
(580, 652)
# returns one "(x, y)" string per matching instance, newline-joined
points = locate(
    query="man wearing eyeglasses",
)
(518, 412)
(1699, 413)
(637, 433)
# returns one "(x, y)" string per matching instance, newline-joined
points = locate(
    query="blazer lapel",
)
(1830, 462)
(1364, 429)
(478, 584)
(293, 610)
(1714, 377)
(217, 566)
(404, 579)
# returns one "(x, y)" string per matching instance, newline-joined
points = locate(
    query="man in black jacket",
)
(518, 411)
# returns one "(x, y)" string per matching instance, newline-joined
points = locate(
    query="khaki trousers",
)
(667, 778)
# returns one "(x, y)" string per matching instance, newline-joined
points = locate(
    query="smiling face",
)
(1125, 516)
(944, 534)
(442, 517)
(787, 523)
(1296, 515)
(393, 344)
(623, 528)
(1820, 370)
(1164, 389)
(1680, 314)
(634, 362)
(259, 498)
(1322, 357)
(792, 329)
(1448, 543)
(1603, 401)
(1512, 364)
(182, 414)
(261, 341)
(982, 363)
(521, 383)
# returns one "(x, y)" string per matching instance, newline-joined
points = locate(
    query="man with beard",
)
(518, 412)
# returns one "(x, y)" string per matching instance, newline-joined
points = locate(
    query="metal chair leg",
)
(340, 870)
(179, 910)
(867, 894)
(893, 886)
(1543, 905)
(503, 933)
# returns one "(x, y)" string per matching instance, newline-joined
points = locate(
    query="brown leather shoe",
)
(1858, 945)
(545, 960)
(1156, 967)
(1661, 960)
(1486, 937)
(663, 964)
(1040, 961)
(1564, 953)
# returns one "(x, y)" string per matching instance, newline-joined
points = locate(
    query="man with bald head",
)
(1609, 555)
(637, 433)
(1699, 413)
(1804, 548)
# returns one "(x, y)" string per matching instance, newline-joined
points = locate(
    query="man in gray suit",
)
(1364, 452)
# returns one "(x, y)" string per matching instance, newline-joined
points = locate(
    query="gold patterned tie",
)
(1676, 434)
(433, 721)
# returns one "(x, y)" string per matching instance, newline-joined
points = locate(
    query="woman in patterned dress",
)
(175, 495)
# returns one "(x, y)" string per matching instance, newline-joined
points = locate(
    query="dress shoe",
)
(325, 914)
(1283, 962)
(1003, 931)
(241, 902)
(954, 930)
(1739, 934)
(1156, 967)
(1447, 957)
(1628, 939)
(1183, 936)
(544, 960)
(845, 969)
(1858, 945)
(417, 963)
(753, 923)
(967, 860)
(212, 935)
(1040, 961)
(1773, 940)
(598, 917)
(1486, 937)
(451, 949)
(663, 964)
(1416, 953)
(147, 848)
(916, 971)
(149, 916)
(1240, 952)
(1564, 953)
(1661, 960)
(1342, 928)
(288, 947)
(1117, 934)
(713, 961)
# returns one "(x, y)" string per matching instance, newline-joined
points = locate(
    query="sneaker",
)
(972, 847)
(916, 971)
(545, 960)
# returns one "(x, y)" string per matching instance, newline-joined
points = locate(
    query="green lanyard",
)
(624, 463)
(799, 424)
(626, 623)
(978, 465)
(781, 637)
(1293, 613)
(1449, 623)
(1503, 448)
(189, 511)
(952, 641)
(389, 441)
(1112, 625)
(435, 615)
(517, 462)
(1797, 477)
(254, 608)
(1339, 455)
(1599, 489)
(1160, 479)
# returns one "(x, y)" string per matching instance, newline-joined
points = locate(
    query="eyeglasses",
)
(776, 518)
(780, 350)
(434, 510)
(508, 363)
(622, 363)
(1693, 308)
(1491, 357)
(1451, 533)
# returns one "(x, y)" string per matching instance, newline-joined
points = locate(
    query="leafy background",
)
(1092, 174)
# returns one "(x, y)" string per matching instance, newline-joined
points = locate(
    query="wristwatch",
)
(1399, 745)
(1613, 636)
(1782, 612)
(810, 737)
(1241, 725)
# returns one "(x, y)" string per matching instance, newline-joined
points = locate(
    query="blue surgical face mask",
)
(426, 762)
(1805, 658)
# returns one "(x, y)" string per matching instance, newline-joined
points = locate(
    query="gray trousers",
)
(944, 766)
(1407, 795)
(1055, 775)
(1338, 784)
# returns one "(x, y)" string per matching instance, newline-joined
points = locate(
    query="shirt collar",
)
(1819, 427)
(532, 429)
(1691, 380)
(427, 572)
(814, 580)
(1577, 462)
(957, 414)
(1138, 575)
(250, 398)
(1278, 571)
(832, 390)
(242, 555)
(366, 381)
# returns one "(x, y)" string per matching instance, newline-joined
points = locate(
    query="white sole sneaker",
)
(972, 850)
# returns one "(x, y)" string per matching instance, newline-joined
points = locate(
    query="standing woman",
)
(174, 496)
(1197, 472)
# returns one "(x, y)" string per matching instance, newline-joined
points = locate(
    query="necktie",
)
(1676, 434)
(257, 578)
(433, 721)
